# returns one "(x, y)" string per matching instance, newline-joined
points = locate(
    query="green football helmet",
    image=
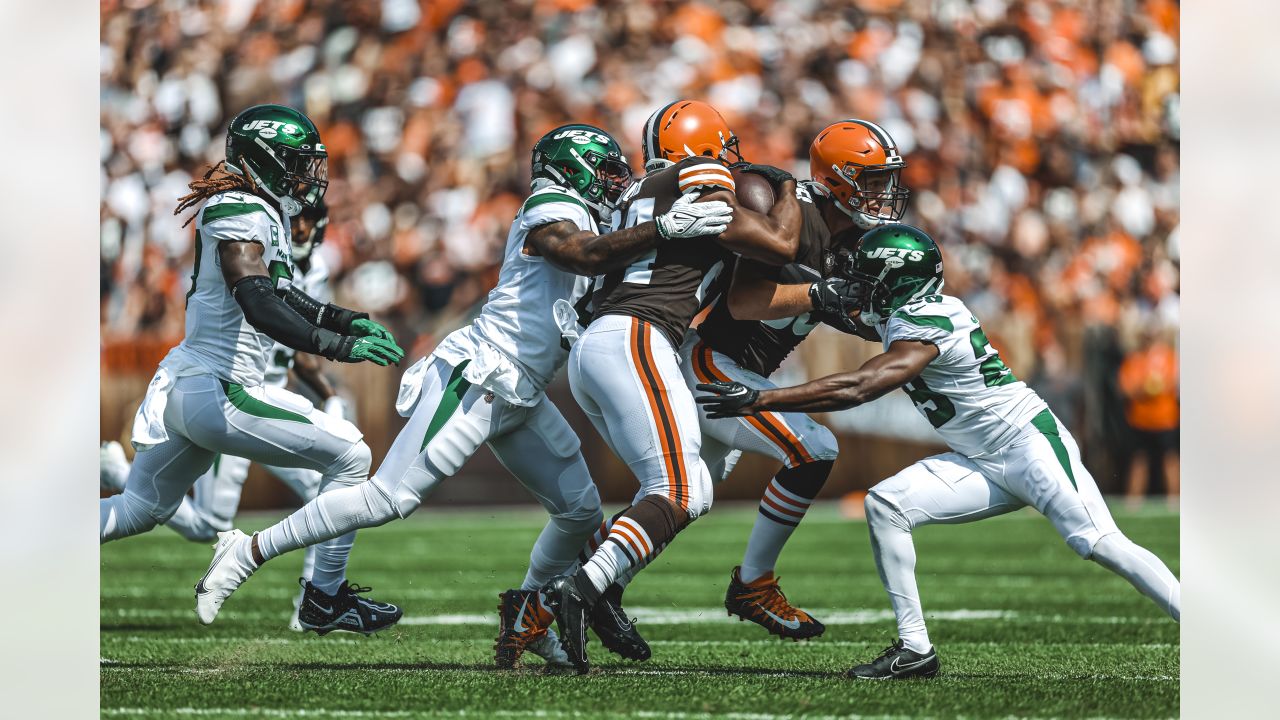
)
(898, 264)
(280, 148)
(586, 160)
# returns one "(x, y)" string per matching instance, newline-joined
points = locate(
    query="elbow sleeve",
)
(330, 317)
(270, 314)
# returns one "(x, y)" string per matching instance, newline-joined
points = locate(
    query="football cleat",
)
(522, 620)
(226, 572)
(346, 610)
(548, 648)
(762, 602)
(898, 663)
(113, 466)
(570, 606)
(618, 634)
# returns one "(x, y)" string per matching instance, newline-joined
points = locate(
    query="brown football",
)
(754, 191)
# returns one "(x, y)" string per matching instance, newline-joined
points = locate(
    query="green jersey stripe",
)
(937, 321)
(229, 209)
(549, 197)
(1048, 427)
(247, 403)
(449, 401)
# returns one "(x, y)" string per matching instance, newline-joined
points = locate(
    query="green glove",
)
(375, 350)
(368, 328)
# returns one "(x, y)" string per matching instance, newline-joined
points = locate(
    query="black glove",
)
(727, 399)
(775, 176)
(834, 299)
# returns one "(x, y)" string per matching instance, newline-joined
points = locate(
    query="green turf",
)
(1052, 636)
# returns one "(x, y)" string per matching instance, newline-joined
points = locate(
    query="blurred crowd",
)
(1041, 138)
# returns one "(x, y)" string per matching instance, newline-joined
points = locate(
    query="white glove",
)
(687, 219)
(335, 406)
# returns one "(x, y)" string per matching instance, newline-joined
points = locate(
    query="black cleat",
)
(323, 613)
(566, 600)
(898, 663)
(618, 634)
(523, 624)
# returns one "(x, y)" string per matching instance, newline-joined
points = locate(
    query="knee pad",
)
(881, 513)
(351, 468)
(821, 443)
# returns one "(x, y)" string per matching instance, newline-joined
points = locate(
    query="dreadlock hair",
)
(216, 179)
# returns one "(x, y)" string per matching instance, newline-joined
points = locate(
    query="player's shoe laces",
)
(762, 602)
(571, 607)
(618, 634)
(345, 610)
(898, 663)
(226, 572)
(523, 624)
(113, 466)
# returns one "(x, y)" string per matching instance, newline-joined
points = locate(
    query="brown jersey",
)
(667, 286)
(761, 346)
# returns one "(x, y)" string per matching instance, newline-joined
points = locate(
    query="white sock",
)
(331, 563)
(895, 556)
(331, 514)
(606, 565)
(1142, 569)
(188, 522)
(308, 563)
(780, 512)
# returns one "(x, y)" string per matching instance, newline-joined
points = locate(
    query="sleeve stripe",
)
(229, 209)
(689, 182)
(937, 321)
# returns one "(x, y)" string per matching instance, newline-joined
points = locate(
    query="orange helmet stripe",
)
(703, 174)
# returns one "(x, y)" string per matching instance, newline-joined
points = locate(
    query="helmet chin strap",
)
(290, 206)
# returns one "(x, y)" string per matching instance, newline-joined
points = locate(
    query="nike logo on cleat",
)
(519, 625)
(895, 667)
(323, 609)
(792, 624)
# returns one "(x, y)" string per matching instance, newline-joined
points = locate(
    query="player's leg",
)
(216, 498)
(946, 488)
(807, 451)
(630, 373)
(1044, 468)
(157, 482)
(544, 454)
(272, 426)
(306, 485)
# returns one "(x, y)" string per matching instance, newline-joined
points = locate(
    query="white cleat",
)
(225, 574)
(548, 648)
(113, 466)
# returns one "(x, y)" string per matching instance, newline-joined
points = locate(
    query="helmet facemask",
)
(876, 196)
(294, 178)
(307, 232)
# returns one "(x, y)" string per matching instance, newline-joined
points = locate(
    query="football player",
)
(625, 368)
(766, 312)
(1008, 448)
(485, 383)
(217, 491)
(208, 397)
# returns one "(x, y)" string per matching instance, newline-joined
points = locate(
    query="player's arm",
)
(771, 238)
(306, 368)
(585, 253)
(756, 294)
(903, 361)
(246, 275)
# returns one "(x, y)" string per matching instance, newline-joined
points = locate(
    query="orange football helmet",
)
(686, 128)
(857, 165)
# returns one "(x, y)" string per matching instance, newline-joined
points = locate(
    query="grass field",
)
(1023, 627)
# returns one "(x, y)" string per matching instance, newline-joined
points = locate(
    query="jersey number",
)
(640, 272)
(936, 407)
(994, 371)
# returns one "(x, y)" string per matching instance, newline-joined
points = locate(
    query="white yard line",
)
(304, 713)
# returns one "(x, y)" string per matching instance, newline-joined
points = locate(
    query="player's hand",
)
(731, 399)
(775, 176)
(836, 301)
(375, 350)
(688, 219)
(365, 327)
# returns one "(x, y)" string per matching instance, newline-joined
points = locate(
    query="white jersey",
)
(219, 340)
(967, 393)
(514, 347)
(314, 282)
